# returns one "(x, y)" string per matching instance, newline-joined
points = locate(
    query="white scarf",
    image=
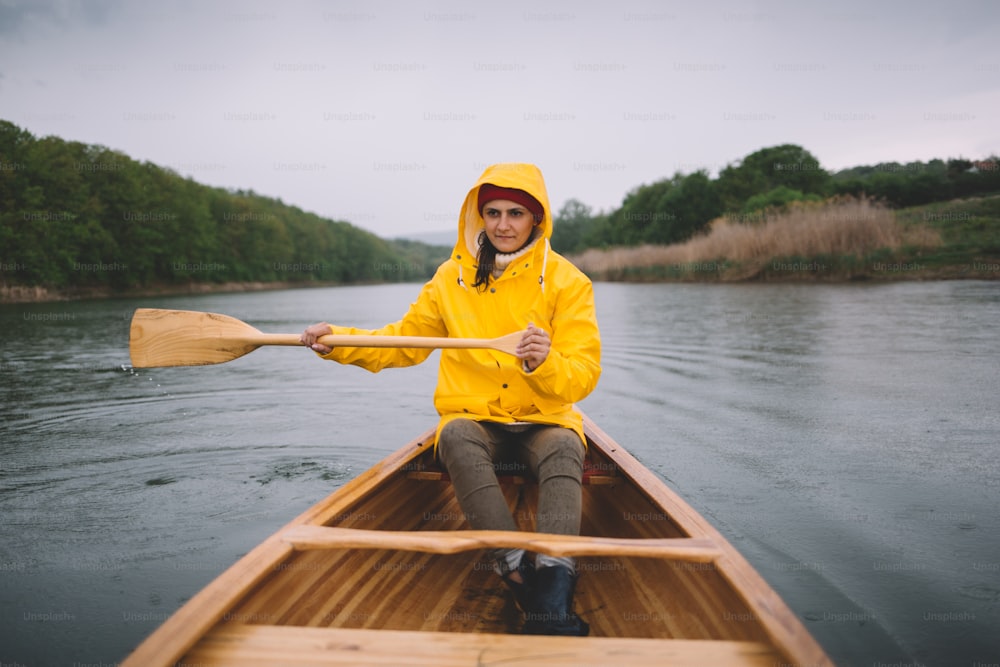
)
(503, 260)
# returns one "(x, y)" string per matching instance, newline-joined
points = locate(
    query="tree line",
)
(74, 215)
(674, 209)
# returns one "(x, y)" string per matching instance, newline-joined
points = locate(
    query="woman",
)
(502, 277)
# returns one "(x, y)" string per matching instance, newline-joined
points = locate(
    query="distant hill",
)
(78, 219)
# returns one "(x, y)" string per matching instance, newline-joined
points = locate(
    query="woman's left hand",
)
(534, 346)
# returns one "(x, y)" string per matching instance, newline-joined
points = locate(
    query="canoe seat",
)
(251, 645)
(593, 474)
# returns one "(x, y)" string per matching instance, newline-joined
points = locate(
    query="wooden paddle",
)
(161, 338)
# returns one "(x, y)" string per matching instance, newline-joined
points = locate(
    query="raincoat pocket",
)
(473, 406)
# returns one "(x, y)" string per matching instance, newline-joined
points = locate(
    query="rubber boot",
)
(553, 604)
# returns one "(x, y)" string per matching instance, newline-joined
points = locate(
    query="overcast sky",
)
(385, 113)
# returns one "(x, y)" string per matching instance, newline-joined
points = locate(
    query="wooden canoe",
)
(386, 572)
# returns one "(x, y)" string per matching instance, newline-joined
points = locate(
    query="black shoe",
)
(553, 605)
(524, 591)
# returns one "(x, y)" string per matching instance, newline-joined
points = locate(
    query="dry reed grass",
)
(734, 249)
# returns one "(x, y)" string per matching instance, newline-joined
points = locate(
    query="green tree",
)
(778, 198)
(571, 225)
(631, 224)
(769, 168)
(664, 212)
(685, 209)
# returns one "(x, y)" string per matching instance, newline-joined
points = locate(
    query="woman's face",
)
(508, 224)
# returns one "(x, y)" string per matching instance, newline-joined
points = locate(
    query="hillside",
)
(83, 220)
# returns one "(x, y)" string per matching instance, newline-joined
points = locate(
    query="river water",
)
(843, 437)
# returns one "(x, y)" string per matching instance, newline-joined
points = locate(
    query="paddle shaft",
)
(352, 340)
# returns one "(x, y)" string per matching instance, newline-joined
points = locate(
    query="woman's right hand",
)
(309, 336)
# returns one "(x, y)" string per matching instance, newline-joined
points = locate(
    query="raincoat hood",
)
(519, 175)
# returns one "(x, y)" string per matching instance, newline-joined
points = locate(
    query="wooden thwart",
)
(687, 549)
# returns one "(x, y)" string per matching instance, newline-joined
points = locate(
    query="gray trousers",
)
(474, 452)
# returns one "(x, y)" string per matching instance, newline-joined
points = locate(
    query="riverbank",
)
(839, 241)
(37, 294)
(835, 241)
(878, 267)
(818, 270)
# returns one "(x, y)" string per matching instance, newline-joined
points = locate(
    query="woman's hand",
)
(309, 336)
(534, 347)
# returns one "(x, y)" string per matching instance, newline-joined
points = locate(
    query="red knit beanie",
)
(489, 192)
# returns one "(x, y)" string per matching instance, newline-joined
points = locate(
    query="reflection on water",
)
(843, 437)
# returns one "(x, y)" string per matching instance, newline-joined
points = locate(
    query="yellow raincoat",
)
(540, 287)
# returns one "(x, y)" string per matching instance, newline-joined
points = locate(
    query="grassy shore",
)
(833, 241)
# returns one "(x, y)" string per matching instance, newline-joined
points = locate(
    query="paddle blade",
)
(159, 338)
